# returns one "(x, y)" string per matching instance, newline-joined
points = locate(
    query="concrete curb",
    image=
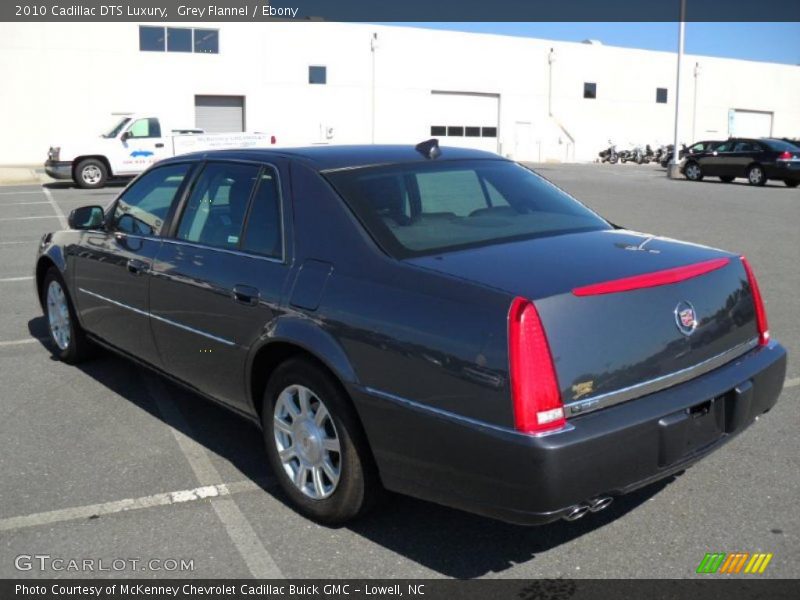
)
(23, 175)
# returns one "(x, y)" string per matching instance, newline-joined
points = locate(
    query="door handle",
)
(159, 145)
(245, 294)
(137, 267)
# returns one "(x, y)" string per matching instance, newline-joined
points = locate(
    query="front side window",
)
(215, 212)
(142, 208)
(145, 128)
(423, 208)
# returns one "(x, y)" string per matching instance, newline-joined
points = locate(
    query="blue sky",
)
(773, 42)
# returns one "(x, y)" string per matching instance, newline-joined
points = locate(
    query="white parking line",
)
(15, 193)
(793, 382)
(18, 242)
(8, 279)
(56, 208)
(23, 203)
(108, 508)
(21, 342)
(258, 560)
(28, 218)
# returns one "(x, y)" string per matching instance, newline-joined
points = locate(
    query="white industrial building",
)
(340, 83)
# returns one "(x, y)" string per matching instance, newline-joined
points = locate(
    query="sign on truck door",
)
(140, 146)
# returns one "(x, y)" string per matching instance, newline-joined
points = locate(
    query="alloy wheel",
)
(58, 315)
(755, 176)
(307, 442)
(91, 174)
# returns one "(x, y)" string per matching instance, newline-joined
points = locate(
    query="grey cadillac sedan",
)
(442, 323)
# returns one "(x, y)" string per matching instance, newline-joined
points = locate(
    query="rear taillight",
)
(761, 313)
(534, 386)
(272, 139)
(785, 156)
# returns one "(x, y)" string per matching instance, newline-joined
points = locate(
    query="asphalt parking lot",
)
(107, 461)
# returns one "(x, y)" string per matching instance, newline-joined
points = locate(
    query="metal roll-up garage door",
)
(465, 119)
(217, 114)
(749, 123)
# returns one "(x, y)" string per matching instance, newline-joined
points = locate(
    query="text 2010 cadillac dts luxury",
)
(438, 322)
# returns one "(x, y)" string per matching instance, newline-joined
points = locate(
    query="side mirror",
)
(125, 135)
(86, 217)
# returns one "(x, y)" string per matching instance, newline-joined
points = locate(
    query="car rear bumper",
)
(58, 169)
(786, 170)
(524, 479)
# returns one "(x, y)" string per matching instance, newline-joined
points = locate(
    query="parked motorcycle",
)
(609, 155)
(670, 151)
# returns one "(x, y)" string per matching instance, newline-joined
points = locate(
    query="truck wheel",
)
(91, 173)
(315, 444)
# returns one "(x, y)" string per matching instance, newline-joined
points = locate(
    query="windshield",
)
(118, 125)
(422, 208)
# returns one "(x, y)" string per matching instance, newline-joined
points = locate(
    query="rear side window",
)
(263, 230)
(214, 214)
(142, 208)
(422, 208)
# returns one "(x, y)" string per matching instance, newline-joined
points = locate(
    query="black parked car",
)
(756, 159)
(442, 323)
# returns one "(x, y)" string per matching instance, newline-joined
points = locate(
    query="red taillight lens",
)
(272, 139)
(761, 313)
(534, 386)
(785, 156)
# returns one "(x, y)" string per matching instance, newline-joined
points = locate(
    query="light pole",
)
(551, 58)
(694, 102)
(673, 169)
(373, 47)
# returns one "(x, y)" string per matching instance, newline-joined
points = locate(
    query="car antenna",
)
(429, 148)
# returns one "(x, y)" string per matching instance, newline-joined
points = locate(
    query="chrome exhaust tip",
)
(600, 503)
(576, 512)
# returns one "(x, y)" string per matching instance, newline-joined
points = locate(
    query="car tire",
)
(68, 337)
(328, 486)
(91, 173)
(791, 183)
(756, 175)
(726, 179)
(693, 172)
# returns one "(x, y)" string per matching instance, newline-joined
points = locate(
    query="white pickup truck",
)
(134, 143)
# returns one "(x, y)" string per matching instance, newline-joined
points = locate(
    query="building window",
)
(179, 40)
(206, 41)
(318, 75)
(151, 39)
(438, 130)
(661, 95)
(472, 131)
(455, 130)
(489, 132)
(590, 90)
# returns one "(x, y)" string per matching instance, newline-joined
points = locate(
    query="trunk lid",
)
(616, 346)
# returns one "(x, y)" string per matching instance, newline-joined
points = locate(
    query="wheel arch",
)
(52, 258)
(292, 337)
(102, 158)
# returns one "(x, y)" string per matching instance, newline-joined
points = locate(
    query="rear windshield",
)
(781, 146)
(423, 208)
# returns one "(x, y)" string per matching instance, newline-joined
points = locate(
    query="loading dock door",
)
(467, 120)
(750, 123)
(219, 114)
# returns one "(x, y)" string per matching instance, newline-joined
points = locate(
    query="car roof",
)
(325, 158)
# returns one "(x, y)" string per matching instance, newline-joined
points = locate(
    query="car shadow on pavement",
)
(448, 541)
(70, 185)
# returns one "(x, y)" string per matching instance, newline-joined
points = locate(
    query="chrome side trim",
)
(659, 383)
(145, 313)
(225, 250)
(446, 414)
